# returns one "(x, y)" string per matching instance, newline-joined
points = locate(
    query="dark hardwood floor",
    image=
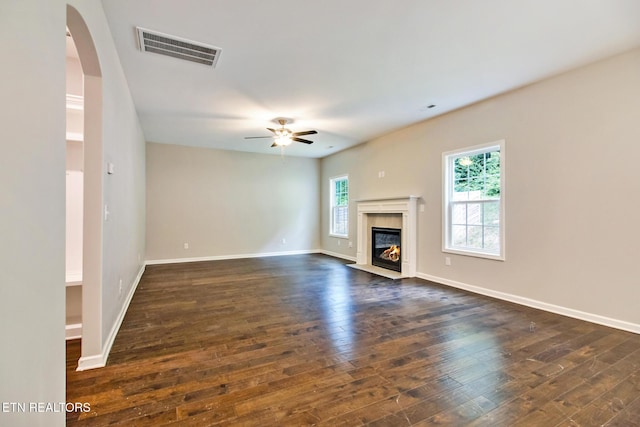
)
(304, 340)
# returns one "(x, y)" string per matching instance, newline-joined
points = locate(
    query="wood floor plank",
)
(629, 416)
(304, 340)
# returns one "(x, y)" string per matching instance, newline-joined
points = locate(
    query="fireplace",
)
(398, 212)
(385, 248)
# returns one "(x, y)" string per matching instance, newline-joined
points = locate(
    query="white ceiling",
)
(351, 69)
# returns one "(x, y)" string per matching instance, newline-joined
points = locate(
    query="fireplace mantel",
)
(406, 208)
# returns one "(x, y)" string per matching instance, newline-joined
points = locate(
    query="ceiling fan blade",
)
(272, 130)
(256, 137)
(306, 141)
(307, 132)
(274, 145)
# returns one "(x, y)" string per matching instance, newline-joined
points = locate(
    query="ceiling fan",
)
(283, 136)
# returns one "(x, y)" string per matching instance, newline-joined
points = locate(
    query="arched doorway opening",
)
(74, 192)
(92, 193)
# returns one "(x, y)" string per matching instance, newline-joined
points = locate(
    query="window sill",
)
(339, 236)
(474, 254)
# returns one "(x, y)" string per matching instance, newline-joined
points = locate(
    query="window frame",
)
(448, 170)
(332, 197)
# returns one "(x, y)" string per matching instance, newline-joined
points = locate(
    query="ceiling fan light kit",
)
(283, 139)
(283, 136)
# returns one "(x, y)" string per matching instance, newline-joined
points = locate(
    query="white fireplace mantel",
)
(406, 207)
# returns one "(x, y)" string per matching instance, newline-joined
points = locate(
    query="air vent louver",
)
(176, 47)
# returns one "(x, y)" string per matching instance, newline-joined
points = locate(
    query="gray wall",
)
(572, 190)
(32, 208)
(123, 193)
(228, 203)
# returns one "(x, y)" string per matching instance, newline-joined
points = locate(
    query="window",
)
(473, 201)
(339, 206)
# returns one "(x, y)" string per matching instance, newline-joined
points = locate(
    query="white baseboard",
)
(569, 312)
(100, 360)
(337, 255)
(91, 362)
(226, 257)
(73, 331)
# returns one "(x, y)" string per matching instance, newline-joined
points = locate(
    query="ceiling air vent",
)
(176, 47)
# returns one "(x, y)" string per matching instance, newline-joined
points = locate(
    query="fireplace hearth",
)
(385, 248)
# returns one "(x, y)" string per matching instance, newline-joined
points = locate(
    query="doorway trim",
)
(91, 353)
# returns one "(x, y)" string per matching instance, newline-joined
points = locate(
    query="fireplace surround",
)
(399, 212)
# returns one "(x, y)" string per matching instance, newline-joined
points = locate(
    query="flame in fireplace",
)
(393, 253)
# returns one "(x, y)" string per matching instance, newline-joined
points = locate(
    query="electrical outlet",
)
(186, 246)
(284, 241)
(447, 260)
(350, 244)
(339, 243)
(120, 287)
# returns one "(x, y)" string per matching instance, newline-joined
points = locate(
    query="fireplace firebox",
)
(385, 248)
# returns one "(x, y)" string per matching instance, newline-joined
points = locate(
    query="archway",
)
(92, 193)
